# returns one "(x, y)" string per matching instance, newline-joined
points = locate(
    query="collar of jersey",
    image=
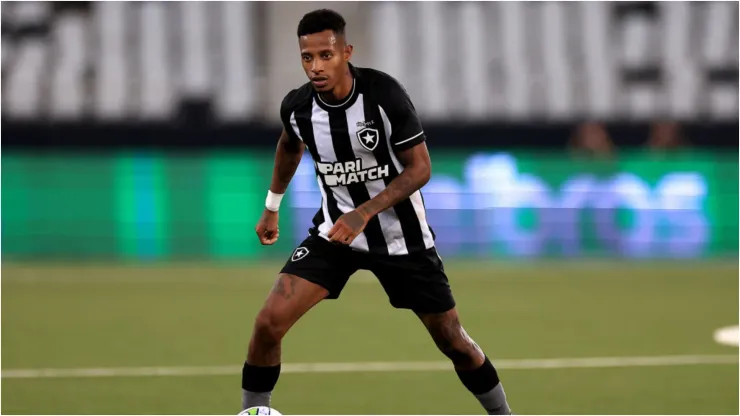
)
(343, 105)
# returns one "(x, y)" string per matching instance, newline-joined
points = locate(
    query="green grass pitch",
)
(174, 315)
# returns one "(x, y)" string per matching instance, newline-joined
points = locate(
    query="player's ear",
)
(348, 52)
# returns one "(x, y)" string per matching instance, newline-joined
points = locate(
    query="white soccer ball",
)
(260, 410)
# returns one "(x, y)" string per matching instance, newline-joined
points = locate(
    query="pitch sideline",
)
(521, 364)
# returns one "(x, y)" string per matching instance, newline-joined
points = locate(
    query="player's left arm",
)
(417, 169)
(408, 144)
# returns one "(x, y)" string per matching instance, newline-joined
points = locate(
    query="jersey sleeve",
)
(286, 113)
(406, 129)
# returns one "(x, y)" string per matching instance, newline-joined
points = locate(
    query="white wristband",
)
(273, 201)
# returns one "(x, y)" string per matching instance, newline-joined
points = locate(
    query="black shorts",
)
(415, 281)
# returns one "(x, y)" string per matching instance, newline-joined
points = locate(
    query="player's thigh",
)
(290, 298)
(416, 281)
(314, 271)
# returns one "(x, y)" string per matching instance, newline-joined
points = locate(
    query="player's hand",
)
(267, 228)
(347, 227)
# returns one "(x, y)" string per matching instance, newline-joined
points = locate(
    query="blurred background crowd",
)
(508, 62)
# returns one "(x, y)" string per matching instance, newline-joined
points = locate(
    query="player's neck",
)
(342, 91)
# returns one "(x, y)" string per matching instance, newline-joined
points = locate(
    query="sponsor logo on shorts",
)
(299, 253)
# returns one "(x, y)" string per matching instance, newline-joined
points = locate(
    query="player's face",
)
(324, 56)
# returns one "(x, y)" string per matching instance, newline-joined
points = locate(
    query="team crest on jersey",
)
(299, 253)
(368, 138)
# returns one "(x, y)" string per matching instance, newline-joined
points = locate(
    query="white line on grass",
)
(593, 362)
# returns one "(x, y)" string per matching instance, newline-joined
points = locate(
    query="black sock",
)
(257, 384)
(480, 380)
(484, 383)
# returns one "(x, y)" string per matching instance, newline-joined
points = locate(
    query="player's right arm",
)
(287, 157)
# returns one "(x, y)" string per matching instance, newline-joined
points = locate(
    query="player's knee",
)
(461, 351)
(268, 327)
(454, 342)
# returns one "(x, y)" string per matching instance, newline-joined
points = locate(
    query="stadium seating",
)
(467, 60)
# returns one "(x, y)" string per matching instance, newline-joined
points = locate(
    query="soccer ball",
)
(260, 410)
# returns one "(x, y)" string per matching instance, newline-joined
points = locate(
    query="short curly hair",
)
(321, 20)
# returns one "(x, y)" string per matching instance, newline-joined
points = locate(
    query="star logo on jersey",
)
(299, 253)
(368, 138)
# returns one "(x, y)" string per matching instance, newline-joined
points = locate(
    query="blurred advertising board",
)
(484, 204)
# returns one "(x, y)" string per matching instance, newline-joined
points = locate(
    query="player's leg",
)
(472, 366)
(291, 297)
(316, 270)
(418, 282)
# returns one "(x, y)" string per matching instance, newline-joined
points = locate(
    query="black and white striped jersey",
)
(353, 145)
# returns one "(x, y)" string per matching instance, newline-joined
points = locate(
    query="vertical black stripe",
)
(431, 231)
(410, 224)
(319, 218)
(303, 120)
(358, 191)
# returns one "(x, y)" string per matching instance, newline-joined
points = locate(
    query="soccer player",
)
(371, 160)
